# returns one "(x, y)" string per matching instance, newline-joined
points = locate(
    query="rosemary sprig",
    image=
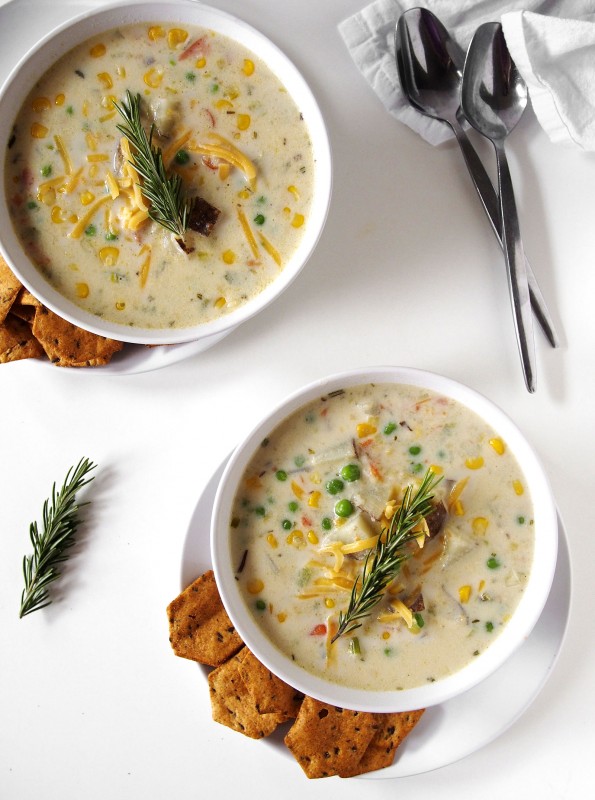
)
(383, 563)
(60, 522)
(169, 207)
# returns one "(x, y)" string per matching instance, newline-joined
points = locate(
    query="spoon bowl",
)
(493, 95)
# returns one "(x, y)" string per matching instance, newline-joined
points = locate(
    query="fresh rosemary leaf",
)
(384, 561)
(60, 523)
(169, 207)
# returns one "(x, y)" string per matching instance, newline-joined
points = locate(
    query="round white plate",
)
(459, 727)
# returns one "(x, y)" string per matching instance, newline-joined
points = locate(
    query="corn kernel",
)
(474, 463)
(365, 429)
(176, 36)
(82, 290)
(458, 509)
(248, 67)
(200, 63)
(272, 540)
(232, 92)
(223, 171)
(97, 51)
(153, 77)
(156, 32)
(228, 256)
(518, 487)
(243, 122)
(329, 602)
(312, 537)
(73, 218)
(314, 499)
(498, 445)
(464, 593)
(436, 469)
(386, 635)
(48, 198)
(120, 306)
(281, 616)
(481, 585)
(57, 215)
(105, 79)
(38, 131)
(109, 256)
(86, 198)
(223, 105)
(297, 221)
(479, 525)
(59, 99)
(293, 191)
(220, 302)
(255, 586)
(40, 104)
(296, 538)
(244, 194)
(297, 490)
(121, 72)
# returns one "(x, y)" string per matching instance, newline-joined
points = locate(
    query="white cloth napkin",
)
(551, 41)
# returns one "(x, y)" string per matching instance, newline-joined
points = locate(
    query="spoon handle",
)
(515, 263)
(489, 199)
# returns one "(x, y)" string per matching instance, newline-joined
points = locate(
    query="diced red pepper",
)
(318, 630)
(194, 48)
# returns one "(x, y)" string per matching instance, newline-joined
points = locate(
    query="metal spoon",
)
(493, 98)
(430, 66)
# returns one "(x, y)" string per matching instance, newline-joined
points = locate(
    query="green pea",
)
(90, 230)
(299, 461)
(326, 523)
(334, 486)
(520, 520)
(259, 219)
(260, 605)
(215, 88)
(287, 525)
(69, 110)
(190, 76)
(417, 468)
(293, 506)
(415, 450)
(489, 627)
(31, 205)
(281, 475)
(46, 170)
(388, 651)
(389, 428)
(260, 511)
(350, 472)
(111, 237)
(182, 157)
(493, 562)
(343, 508)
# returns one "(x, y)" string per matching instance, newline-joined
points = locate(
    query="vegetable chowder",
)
(224, 123)
(321, 490)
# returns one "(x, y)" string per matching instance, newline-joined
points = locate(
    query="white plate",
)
(459, 727)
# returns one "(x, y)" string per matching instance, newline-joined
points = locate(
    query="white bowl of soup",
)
(166, 171)
(418, 472)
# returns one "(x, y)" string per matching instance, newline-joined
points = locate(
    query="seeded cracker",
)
(199, 628)
(233, 706)
(66, 345)
(9, 288)
(269, 693)
(380, 753)
(17, 341)
(329, 741)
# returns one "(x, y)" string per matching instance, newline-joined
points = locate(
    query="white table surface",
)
(93, 703)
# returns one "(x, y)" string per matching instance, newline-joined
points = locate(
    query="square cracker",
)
(66, 345)
(270, 693)
(199, 628)
(380, 753)
(17, 341)
(327, 740)
(233, 706)
(10, 286)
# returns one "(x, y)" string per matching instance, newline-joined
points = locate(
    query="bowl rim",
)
(92, 21)
(512, 636)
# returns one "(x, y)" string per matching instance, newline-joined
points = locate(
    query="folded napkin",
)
(551, 41)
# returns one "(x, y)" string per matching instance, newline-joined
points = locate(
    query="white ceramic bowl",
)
(90, 23)
(514, 633)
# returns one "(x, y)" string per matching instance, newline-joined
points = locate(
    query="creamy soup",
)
(225, 125)
(324, 486)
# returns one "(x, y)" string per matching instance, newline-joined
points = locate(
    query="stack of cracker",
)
(248, 698)
(30, 330)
